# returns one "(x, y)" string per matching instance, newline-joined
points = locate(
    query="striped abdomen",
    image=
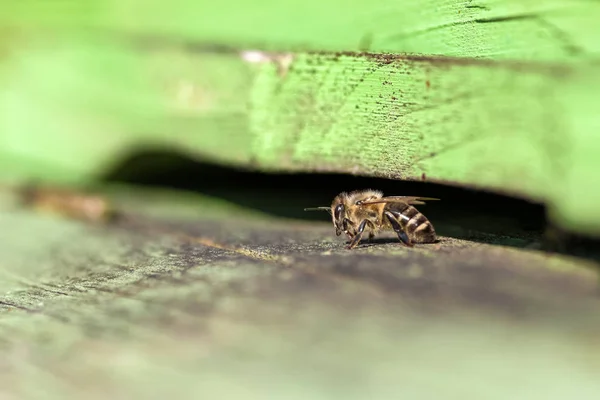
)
(416, 225)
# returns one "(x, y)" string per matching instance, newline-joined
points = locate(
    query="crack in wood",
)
(34, 311)
(477, 7)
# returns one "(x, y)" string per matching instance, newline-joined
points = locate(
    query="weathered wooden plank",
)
(498, 29)
(186, 288)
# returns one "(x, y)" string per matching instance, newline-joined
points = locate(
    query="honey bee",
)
(356, 211)
(68, 203)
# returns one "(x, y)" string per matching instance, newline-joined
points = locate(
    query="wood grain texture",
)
(187, 295)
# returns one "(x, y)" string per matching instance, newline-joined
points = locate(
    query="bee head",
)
(338, 213)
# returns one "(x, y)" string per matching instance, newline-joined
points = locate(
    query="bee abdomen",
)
(418, 228)
(423, 233)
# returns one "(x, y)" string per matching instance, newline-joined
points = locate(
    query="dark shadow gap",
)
(462, 213)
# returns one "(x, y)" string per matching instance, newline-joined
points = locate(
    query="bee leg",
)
(398, 229)
(358, 234)
(345, 224)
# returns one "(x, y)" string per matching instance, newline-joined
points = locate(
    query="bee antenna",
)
(317, 209)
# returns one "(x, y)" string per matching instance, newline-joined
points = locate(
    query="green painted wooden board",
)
(515, 113)
(186, 296)
(497, 29)
(524, 128)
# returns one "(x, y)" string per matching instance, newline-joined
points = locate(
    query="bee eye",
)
(339, 210)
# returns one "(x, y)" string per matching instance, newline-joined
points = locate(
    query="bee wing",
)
(401, 199)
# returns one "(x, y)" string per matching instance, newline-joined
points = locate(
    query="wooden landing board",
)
(187, 295)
